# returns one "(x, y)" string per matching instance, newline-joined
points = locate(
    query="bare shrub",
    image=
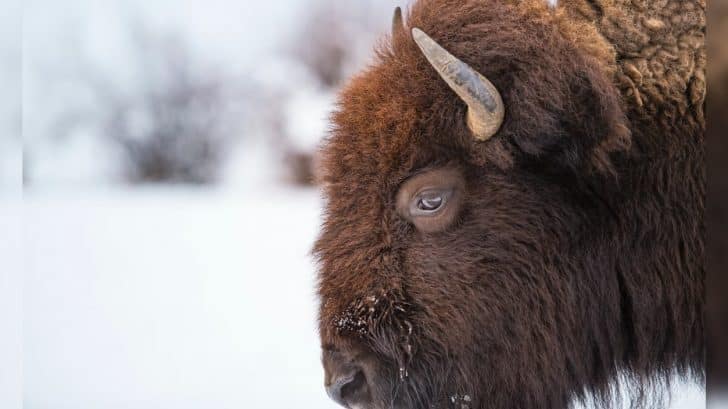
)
(177, 120)
(334, 40)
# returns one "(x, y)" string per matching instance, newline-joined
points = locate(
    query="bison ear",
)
(581, 130)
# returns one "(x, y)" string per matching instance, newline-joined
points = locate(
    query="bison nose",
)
(345, 381)
(347, 390)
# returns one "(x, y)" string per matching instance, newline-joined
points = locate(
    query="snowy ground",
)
(176, 299)
(10, 303)
(172, 300)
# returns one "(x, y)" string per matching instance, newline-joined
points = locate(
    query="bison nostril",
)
(348, 390)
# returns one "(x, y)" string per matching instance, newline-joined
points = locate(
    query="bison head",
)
(466, 228)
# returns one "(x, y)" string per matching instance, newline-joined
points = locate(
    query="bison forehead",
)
(387, 123)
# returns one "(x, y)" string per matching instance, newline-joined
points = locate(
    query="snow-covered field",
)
(180, 299)
(174, 299)
(10, 301)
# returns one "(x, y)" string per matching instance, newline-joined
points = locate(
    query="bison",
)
(514, 207)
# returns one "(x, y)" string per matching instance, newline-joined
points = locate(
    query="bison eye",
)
(431, 199)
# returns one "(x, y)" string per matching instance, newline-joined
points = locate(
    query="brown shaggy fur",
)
(578, 254)
(716, 212)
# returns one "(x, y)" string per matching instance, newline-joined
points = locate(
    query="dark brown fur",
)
(578, 253)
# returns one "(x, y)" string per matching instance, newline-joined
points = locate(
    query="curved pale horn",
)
(485, 106)
(397, 24)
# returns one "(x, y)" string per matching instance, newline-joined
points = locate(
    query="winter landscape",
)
(162, 268)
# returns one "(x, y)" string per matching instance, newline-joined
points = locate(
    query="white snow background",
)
(165, 296)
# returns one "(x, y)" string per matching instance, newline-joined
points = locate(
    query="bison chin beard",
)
(435, 386)
(426, 379)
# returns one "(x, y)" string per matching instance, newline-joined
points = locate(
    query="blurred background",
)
(168, 204)
(168, 209)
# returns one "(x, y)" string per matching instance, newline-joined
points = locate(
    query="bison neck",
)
(653, 249)
(653, 246)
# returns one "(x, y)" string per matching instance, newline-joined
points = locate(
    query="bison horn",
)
(485, 106)
(397, 24)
